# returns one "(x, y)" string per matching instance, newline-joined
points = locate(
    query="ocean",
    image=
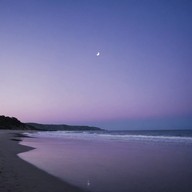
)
(115, 161)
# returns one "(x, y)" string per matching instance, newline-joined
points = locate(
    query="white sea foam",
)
(110, 136)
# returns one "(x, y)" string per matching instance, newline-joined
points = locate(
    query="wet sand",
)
(16, 175)
(105, 165)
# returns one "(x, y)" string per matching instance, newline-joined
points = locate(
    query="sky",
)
(50, 71)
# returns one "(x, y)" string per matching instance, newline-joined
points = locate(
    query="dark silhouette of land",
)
(13, 123)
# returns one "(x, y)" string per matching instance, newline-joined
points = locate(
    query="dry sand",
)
(16, 175)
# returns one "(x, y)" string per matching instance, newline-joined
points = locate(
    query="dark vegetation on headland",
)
(13, 123)
(52, 127)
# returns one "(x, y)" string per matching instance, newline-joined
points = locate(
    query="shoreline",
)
(17, 175)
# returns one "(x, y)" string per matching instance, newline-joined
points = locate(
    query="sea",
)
(115, 161)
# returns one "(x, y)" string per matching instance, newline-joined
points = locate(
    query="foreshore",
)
(16, 175)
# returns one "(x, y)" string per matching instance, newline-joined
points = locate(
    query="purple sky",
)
(50, 72)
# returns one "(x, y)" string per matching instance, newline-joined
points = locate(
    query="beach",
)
(96, 162)
(115, 162)
(16, 175)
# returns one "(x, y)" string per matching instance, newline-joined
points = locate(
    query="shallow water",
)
(110, 164)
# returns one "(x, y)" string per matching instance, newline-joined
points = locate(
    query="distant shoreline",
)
(12, 123)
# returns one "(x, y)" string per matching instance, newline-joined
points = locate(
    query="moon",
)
(98, 53)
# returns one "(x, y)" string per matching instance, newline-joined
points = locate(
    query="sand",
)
(107, 165)
(16, 175)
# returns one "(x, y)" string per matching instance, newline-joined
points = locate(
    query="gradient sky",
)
(49, 71)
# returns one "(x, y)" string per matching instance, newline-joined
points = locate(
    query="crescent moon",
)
(98, 53)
